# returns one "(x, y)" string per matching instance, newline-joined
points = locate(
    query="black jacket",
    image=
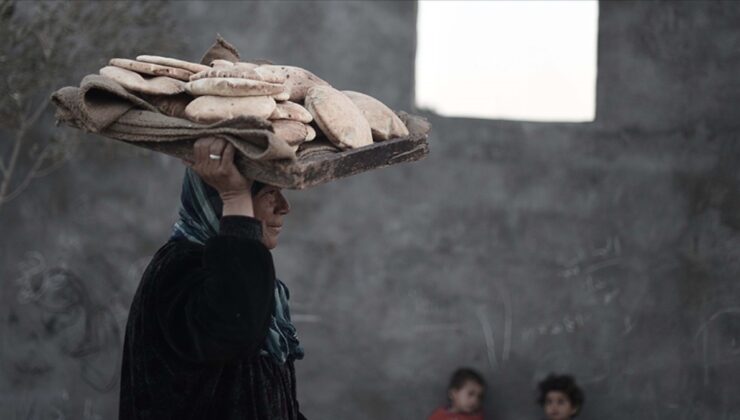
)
(197, 322)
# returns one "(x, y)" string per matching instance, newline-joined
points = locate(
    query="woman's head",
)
(560, 397)
(466, 391)
(202, 207)
(270, 207)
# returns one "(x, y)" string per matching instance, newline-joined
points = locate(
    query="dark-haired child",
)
(465, 393)
(560, 397)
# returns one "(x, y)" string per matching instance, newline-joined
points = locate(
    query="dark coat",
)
(197, 322)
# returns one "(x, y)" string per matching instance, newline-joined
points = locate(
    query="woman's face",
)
(270, 207)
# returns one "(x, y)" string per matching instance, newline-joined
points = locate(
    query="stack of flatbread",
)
(294, 100)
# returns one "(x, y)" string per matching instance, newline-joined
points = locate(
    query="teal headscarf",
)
(200, 211)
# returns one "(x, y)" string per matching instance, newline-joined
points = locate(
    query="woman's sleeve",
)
(222, 310)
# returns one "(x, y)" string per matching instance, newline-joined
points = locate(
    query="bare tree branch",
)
(11, 165)
(36, 172)
(33, 118)
(44, 46)
(68, 151)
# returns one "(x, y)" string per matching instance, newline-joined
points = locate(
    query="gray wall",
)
(608, 249)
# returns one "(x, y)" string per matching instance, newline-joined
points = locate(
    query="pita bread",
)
(384, 123)
(219, 63)
(231, 72)
(232, 86)
(269, 72)
(134, 82)
(296, 80)
(172, 62)
(243, 65)
(150, 69)
(293, 132)
(211, 109)
(282, 96)
(311, 133)
(291, 111)
(338, 117)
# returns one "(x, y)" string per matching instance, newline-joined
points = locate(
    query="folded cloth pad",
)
(101, 105)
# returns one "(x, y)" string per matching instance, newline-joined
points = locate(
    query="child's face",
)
(467, 399)
(558, 406)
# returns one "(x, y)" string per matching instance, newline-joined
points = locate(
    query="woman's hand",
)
(222, 175)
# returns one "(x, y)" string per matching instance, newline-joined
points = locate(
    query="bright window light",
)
(516, 60)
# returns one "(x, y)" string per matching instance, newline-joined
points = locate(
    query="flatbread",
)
(338, 117)
(150, 69)
(243, 65)
(269, 73)
(311, 133)
(282, 96)
(172, 62)
(211, 109)
(291, 111)
(219, 63)
(296, 80)
(231, 72)
(293, 132)
(384, 123)
(160, 85)
(232, 86)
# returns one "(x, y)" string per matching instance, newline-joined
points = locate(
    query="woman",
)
(209, 333)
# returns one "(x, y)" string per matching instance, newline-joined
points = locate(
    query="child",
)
(560, 397)
(466, 397)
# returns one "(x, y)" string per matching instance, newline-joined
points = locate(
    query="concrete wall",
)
(608, 250)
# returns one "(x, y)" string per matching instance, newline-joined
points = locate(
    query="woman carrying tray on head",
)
(209, 334)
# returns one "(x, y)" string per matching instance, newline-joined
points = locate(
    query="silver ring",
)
(214, 157)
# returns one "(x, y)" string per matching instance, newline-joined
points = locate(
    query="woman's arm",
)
(221, 310)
